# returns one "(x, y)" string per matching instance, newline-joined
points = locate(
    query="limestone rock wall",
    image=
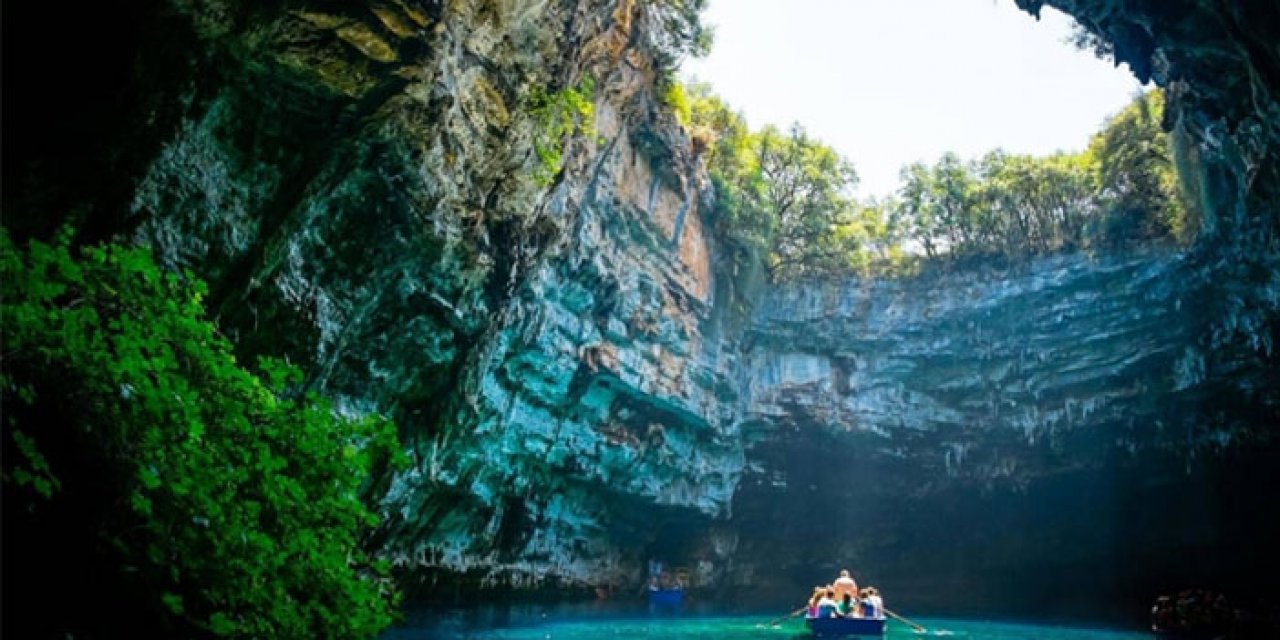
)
(1045, 437)
(361, 185)
(957, 368)
(1220, 66)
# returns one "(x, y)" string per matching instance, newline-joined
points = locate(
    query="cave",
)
(583, 376)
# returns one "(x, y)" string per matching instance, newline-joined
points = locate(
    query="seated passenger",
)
(818, 592)
(869, 609)
(847, 608)
(827, 605)
(876, 602)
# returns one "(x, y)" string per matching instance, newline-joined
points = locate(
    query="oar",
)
(903, 620)
(789, 615)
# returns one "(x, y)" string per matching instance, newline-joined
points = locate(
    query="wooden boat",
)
(845, 627)
(666, 597)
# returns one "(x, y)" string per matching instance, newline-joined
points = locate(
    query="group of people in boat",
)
(843, 599)
(1191, 610)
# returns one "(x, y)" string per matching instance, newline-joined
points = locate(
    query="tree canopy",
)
(1124, 188)
(782, 194)
(787, 197)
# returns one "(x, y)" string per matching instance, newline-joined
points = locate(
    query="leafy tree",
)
(863, 239)
(941, 199)
(734, 168)
(783, 197)
(1013, 205)
(179, 494)
(677, 99)
(1138, 180)
(1124, 188)
(1034, 205)
(805, 192)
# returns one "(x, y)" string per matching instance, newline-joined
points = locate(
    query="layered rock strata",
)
(377, 191)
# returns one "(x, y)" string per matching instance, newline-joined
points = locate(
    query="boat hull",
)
(845, 627)
(666, 597)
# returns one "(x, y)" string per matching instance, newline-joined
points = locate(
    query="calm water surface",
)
(690, 627)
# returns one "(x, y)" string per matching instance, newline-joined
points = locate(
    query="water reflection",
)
(612, 620)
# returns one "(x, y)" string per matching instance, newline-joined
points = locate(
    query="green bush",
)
(559, 114)
(676, 99)
(223, 502)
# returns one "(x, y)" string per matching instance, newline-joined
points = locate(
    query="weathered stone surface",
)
(1220, 66)
(974, 359)
(541, 347)
(359, 184)
(1045, 437)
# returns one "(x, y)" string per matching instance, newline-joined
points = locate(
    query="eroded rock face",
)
(1220, 66)
(970, 361)
(362, 187)
(360, 184)
(1045, 437)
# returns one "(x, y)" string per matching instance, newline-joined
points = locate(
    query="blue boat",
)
(666, 597)
(845, 627)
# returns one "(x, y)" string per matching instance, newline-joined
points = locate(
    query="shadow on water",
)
(613, 620)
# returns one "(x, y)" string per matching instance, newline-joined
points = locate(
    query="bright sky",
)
(890, 82)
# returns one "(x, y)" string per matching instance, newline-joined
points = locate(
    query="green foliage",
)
(806, 194)
(1012, 205)
(942, 199)
(734, 169)
(230, 501)
(782, 197)
(32, 470)
(558, 115)
(677, 100)
(1124, 188)
(1139, 183)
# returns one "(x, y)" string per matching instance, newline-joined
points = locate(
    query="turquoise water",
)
(750, 628)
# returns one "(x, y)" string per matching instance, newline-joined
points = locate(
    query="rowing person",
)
(844, 584)
(818, 594)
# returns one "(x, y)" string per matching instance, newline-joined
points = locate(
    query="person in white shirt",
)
(873, 599)
(827, 605)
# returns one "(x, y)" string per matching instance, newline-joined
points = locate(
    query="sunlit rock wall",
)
(1219, 63)
(957, 369)
(1045, 437)
(361, 185)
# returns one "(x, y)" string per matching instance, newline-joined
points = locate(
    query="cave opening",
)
(1058, 415)
(968, 458)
